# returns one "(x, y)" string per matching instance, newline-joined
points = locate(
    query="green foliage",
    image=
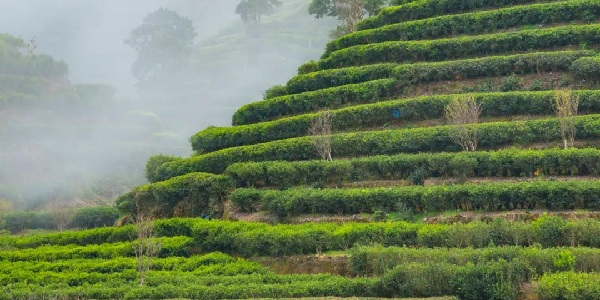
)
(569, 285)
(92, 217)
(275, 91)
(461, 47)
(587, 68)
(487, 196)
(488, 66)
(19, 221)
(329, 78)
(309, 67)
(251, 11)
(162, 41)
(552, 230)
(13, 61)
(366, 92)
(191, 195)
(423, 9)
(471, 23)
(387, 142)
(154, 162)
(378, 114)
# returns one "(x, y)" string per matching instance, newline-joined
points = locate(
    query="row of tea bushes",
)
(433, 139)
(366, 92)
(192, 194)
(379, 114)
(336, 77)
(416, 167)
(170, 246)
(248, 239)
(489, 66)
(569, 285)
(468, 197)
(479, 22)
(331, 96)
(458, 47)
(377, 260)
(251, 238)
(423, 9)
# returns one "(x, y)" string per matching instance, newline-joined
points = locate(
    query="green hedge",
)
(488, 66)
(491, 135)
(170, 246)
(252, 238)
(472, 23)
(19, 221)
(454, 48)
(380, 114)
(407, 74)
(330, 78)
(92, 217)
(503, 163)
(587, 68)
(487, 196)
(366, 92)
(377, 260)
(569, 285)
(430, 8)
(189, 195)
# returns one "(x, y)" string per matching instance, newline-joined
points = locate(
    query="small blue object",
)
(396, 113)
(204, 216)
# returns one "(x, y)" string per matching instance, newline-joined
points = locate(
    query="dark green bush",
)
(423, 9)
(472, 23)
(488, 196)
(491, 135)
(192, 195)
(378, 114)
(330, 78)
(461, 47)
(92, 217)
(587, 68)
(366, 92)
(154, 162)
(19, 221)
(488, 66)
(275, 91)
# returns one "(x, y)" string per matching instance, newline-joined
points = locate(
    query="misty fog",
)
(87, 140)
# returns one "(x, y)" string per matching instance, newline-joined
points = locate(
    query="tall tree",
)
(162, 41)
(251, 11)
(348, 12)
(566, 105)
(463, 112)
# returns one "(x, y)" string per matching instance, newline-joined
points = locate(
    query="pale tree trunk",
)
(463, 112)
(320, 130)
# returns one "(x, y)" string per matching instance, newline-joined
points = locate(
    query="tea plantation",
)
(417, 205)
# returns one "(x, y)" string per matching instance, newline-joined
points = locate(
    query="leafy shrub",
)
(488, 66)
(330, 78)
(488, 196)
(471, 23)
(460, 47)
(275, 91)
(423, 9)
(387, 142)
(569, 285)
(378, 114)
(19, 221)
(92, 217)
(189, 195)
(366, 92)
(587, 68)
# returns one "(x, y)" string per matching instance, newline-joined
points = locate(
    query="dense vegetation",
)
(395, 159)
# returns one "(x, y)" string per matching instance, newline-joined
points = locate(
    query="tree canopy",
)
(251, 11)
(348, 12)
(163, 39)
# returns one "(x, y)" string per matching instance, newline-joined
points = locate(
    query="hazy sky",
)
(89, 35)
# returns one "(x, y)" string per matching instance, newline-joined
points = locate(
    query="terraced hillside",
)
(387, 89)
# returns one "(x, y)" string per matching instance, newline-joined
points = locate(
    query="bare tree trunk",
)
(463, 112)
(147, 246)
(59, 212)
(320, 129)
(566, 105)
